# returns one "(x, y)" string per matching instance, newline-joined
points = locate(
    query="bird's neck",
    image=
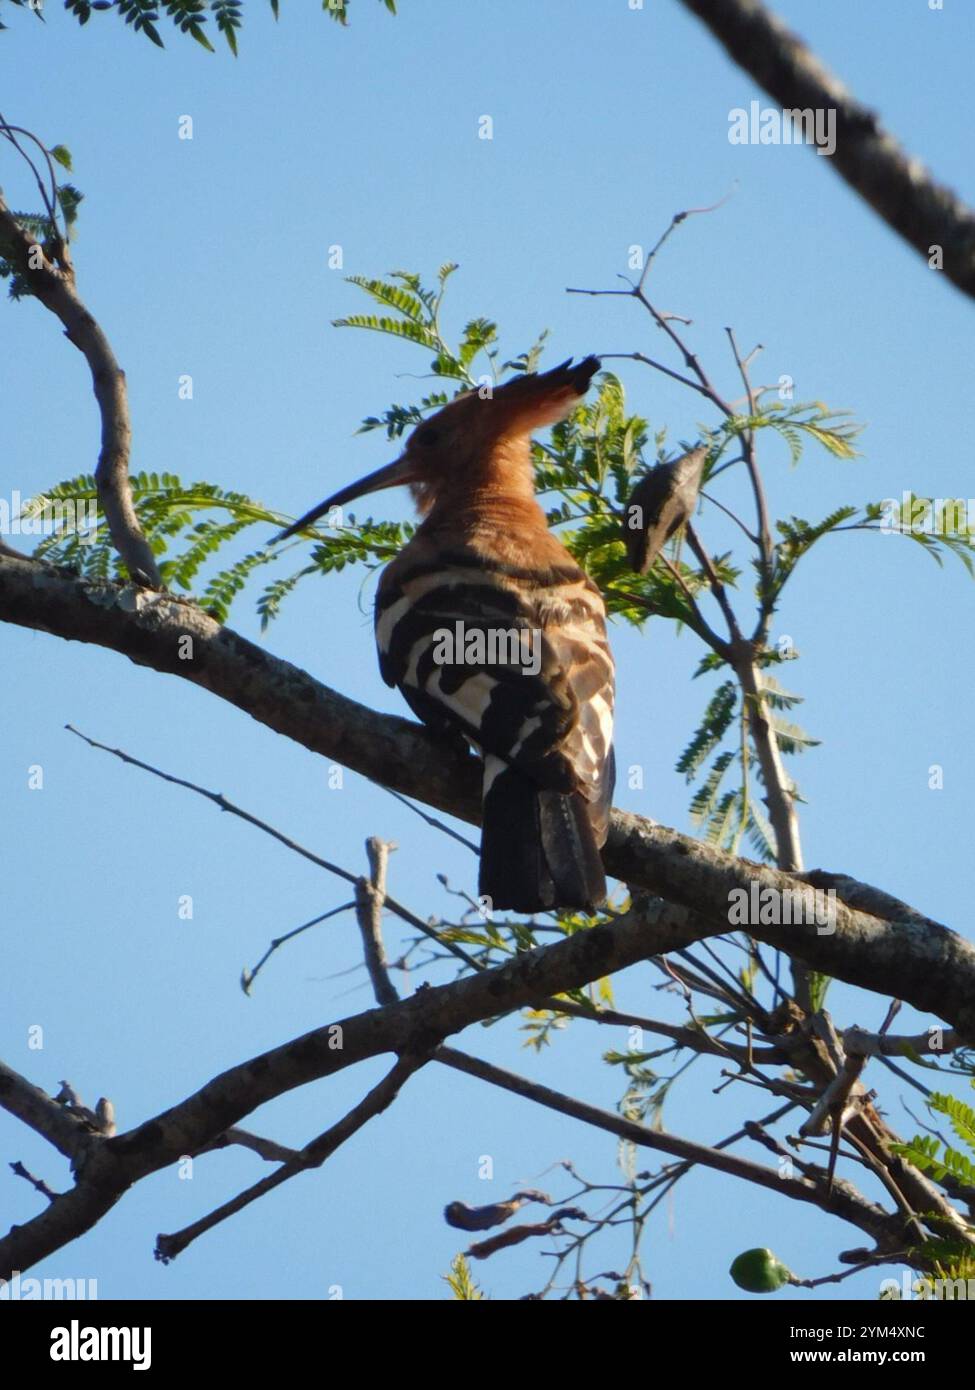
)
(498, 488)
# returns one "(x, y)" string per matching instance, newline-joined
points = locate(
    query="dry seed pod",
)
(468, 1218)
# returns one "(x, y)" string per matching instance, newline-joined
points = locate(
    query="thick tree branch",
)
(58, 1125)
(895, 184)
(874, 941)
(415, 1026)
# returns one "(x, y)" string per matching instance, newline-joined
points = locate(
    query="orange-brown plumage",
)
(484, 565)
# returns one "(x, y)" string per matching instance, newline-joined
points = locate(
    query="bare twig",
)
(313, 1155)
(717, 588)
(51, 278)
(49, 190)
(434, 822)
(370, 896)
(766, 549)
(845, 1201)
(38, 1184)
(698, 620)
(225, 805)
(249, 976)
(835, 1107)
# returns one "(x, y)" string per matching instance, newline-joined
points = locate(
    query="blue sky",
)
(209, 257)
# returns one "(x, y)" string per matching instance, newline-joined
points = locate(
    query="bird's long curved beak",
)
(390, 475)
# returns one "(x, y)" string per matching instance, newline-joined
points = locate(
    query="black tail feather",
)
(538, 848)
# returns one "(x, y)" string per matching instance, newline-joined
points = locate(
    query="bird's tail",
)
(538, 847)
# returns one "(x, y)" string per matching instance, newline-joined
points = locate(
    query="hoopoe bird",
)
(488, 627)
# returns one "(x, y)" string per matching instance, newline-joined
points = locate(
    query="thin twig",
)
(37, 1183)
(249, 976)
(703, 628)
(221, 801)
(53, 283)
(728, 512)
(717, 587)
(313, 1155)
(433, 821)
(766, 549)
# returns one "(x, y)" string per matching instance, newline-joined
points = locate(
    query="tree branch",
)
(416, 1026)
(814, 1187)
(53, 284)
(874, 941)
(313, 1155)
(895, 184)
(58, 1125)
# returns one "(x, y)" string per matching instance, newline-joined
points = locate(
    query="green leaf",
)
(761, 836)
(460, 1280)
(704, 799)
(725, 820)
(790, 737)
(392, 295)
(396, 328)
(477, 335)
(936, 531)
(715, 723)
(69, 198)
(228, 17)
(962, 1116)
(201, 38)
(337, 10)
(775, 696)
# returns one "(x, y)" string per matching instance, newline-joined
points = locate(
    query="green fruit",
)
(758, 1271)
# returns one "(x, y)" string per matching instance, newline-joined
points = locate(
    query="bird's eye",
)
(427, 436)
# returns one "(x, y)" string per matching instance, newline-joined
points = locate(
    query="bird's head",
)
(481, 438)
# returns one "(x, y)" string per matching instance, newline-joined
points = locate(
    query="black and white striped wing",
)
(575, 625)
(551, 714)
